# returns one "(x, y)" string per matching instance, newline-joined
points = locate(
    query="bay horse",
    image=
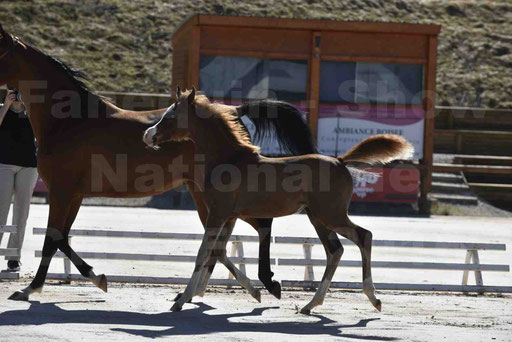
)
(320, 185)
(80, 135)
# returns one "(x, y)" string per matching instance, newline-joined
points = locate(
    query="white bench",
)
(472, 263)
(9, 252)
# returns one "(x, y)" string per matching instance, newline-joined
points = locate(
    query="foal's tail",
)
(378, 149)
(283, 120)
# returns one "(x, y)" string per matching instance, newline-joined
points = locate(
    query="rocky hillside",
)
(125, 45)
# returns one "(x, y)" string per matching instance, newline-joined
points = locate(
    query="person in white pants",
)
(18, 169)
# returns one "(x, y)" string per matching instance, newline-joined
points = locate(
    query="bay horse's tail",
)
(284, 121)
(378, 149)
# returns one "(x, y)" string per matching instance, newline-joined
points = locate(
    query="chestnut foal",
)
(320, 185)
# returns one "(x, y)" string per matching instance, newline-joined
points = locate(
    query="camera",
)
(18, 95)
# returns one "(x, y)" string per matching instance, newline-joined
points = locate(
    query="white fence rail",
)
(9, 252)
(472, 263)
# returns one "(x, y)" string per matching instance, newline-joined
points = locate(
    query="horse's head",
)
(174, 124)
(6, 50)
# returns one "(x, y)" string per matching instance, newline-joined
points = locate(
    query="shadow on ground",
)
(189, 322)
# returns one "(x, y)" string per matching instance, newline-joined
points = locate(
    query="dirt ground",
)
(81, 312)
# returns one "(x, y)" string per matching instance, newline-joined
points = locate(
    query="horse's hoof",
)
(276, 289)
(18, 295)
(305, 311)
(378, 305)
(176, 307)
(102, 284)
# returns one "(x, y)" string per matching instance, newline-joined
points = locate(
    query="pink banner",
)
(396, 116)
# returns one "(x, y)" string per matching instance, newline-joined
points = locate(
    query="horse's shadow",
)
(188, 322)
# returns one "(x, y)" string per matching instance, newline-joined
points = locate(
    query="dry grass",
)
(126, 46)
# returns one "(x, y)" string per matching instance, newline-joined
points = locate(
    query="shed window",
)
(235, 77)
(371, 83)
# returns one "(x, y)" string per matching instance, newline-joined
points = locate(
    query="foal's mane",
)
(229, 122)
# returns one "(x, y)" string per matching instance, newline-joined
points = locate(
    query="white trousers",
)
(20, 182)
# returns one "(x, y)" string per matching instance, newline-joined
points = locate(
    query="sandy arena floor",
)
(126, 313)
(80, 311)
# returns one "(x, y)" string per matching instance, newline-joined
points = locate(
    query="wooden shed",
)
(352, 79)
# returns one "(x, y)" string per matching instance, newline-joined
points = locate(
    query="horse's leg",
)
(334, 251)
(84, 268)
(363, 239)
(63, 211)
(202, 211)
(220, 249)
(264, 227)
(221, 255)
(57, 218)
(213, 229)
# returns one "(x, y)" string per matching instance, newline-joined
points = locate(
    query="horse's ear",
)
(192, 95)
(178, 93)
(5, 36)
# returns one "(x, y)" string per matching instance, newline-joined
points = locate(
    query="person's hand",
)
(9, 98)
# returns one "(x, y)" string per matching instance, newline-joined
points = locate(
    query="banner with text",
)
(340, 127)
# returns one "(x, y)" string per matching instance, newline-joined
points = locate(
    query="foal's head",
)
(174, 123)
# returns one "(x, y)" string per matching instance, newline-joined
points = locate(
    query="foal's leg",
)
(239, 276)
(220, 254)
(334, 251)
(202, 210)
(220, 249)
(265, 274)
(213, 228)
(363, 239)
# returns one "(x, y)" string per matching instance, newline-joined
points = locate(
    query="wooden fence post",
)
(67, 267)
(237, 250)
(473, 258)
(309, 274)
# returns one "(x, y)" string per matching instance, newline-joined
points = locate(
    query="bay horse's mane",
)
(229, 122)
(75, 76)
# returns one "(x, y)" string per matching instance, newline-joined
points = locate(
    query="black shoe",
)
(13, 266)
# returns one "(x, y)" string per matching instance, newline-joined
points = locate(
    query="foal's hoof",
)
(18, 295)
(176, 307)
(276, 290)
(305, 311)
(102, 283)
(178, 296)
(378, 305)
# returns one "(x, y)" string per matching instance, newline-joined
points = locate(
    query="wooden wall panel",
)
(262, 41)
(385, 45)
(180, 60)
(315, 24)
